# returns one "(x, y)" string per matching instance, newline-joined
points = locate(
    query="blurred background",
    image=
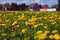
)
(28, 4)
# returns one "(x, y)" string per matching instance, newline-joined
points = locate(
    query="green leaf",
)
(13, 34)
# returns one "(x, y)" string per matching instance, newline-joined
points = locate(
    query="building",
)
(58, 5)
(34, 6)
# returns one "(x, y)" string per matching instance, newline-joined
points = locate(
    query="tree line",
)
(15, 6)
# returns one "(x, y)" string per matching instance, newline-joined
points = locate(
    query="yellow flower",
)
(12, 30)
(16, 12)
(30, 20)
(33, 16)
(59, 18)
(0, 20)
(3, 21)
(4, 35)
(46, 26)
(35, 26)
(55, 15)
(21, 17)
(34, 19)
(51, 17)
(54, 31)
(45, 17)
(40, 18)
(40, 24)
(33, 23)
(46, 32)
(22, 14)
(14, 23)
(56, 36)
(52, 20)
(53, 23)
(2, 24)
(25, 39)
(39, 31)
(35, 37)
(42, 36)
(7, 20)
(0, 14)
(17, 26)
(24, 30)
(51, 37)
(26, 23)
(18, 16)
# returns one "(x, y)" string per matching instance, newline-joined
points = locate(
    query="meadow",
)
(29, 25)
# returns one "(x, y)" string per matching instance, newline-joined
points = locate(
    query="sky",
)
(27, 2)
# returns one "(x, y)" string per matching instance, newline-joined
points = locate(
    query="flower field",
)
(29, 25)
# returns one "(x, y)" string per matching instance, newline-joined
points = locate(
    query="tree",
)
(14, 6)
(58, 5)
(0, 6)
(8, 6)
(23, 6)
(54, 6)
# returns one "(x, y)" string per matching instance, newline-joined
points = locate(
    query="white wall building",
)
(51, 9)
(48, 9)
